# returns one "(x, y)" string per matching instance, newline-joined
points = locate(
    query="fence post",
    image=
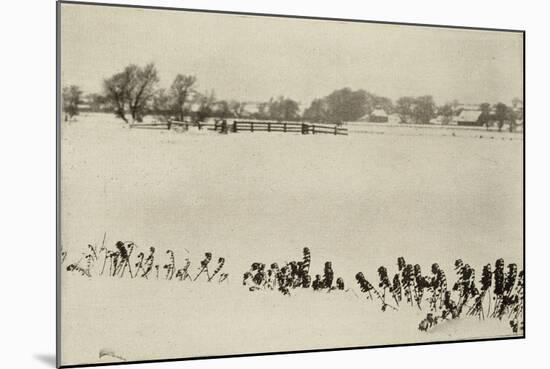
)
(335, 130)
(313, 128)
(269, 126)
(284, 127)
(251, 126)
(235, 126)
(169, 124)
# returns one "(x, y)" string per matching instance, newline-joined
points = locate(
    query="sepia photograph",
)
(238, 184)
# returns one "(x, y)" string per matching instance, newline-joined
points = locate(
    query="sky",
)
(251, 58)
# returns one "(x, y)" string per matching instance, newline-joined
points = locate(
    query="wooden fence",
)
(236, 126)
(173, 124)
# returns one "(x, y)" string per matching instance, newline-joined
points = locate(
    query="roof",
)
(469, 116)
(467, 107)
(379, 113)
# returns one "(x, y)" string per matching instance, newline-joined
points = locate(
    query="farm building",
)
(461, 107)
(378, 116)
(469, 118)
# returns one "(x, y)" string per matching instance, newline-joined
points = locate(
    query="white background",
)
(27, 203)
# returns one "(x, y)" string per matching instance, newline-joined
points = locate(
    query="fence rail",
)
(276, 126)
(236, 126)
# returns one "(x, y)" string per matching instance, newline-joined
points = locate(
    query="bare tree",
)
(130, 90)
(485, 116)
(116, 92)
(145, 80)
(205, 104)
(404, 108)
(424, 109)
(181, 90)
(446, 112)
(222, 109)
(237, 108)
(263, 111)
(98, 102)
(501, 114)
(282, 109)
(163, 105)
(71, 100)
(418, 110)
(317, 111)
(346, 105)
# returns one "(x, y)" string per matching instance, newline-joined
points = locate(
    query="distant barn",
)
(469, 118)
(378, 116)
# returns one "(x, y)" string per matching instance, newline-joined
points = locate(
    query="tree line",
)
(134, 93)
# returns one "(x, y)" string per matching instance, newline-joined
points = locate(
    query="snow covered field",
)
(360, 201)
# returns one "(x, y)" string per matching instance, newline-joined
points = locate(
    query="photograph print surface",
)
(236, 184)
